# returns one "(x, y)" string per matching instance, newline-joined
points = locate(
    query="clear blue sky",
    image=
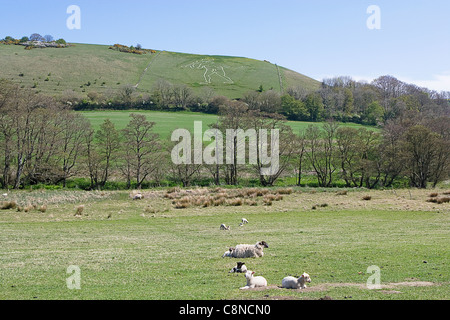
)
(321, 38)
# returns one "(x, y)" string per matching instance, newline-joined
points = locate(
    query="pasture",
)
(149, 249)
(166, 122)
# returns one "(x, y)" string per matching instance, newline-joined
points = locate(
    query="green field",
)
(85, 68)
(166, 122)
(127, 251)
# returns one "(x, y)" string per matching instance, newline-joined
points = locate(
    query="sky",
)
(321, 38)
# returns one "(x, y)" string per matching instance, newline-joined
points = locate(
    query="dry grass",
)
(79, 210)
(204, 197)
(367, 198)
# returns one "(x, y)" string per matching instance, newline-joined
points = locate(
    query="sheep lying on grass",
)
(247, 250)
(240, 268)
(294, 283)
(254, 282)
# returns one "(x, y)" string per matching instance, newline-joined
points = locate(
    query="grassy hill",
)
(85, 68)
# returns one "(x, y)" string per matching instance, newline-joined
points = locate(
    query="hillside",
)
(85, 68)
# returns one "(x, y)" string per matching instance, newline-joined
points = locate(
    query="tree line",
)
(43, 141)
(342, 99)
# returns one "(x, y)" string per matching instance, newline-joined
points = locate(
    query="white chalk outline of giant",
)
(211, 68)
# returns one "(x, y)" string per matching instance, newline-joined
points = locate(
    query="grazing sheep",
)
(240, 268)
(5, 194)
(254, 282)
(294, 283)
(224, 227)
(229, 252)
(244, 221)
(139, 196)
(249, 250)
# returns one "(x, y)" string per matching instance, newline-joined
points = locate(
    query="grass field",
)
(166, 122)
(147, 249)
(85, 67)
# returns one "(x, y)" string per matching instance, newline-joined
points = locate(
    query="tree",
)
(232, 117)
(321, 151)
(182, 96)
(74, 128)
(314, 105)
(108, 144)
(419, 146)
(48, 38)
(142, 147)
(281, 148)
(293, 109)
(36, 37)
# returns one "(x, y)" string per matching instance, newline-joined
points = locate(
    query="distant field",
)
(147, 249)
(84, 68)
(166, 122)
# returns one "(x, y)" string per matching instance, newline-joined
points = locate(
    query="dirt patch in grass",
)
(326, 286)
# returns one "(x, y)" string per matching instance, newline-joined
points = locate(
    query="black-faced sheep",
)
(247, 250)
(240, 268)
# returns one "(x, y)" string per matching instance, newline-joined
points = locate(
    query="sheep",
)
(254, 282)
(294, 283)
(139, 196)
(224, 227)
(244, 221)
(229, 252)
(249, 250)
(240, 268)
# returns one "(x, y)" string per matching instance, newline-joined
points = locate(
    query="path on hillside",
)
(279, 78)
(148, 66)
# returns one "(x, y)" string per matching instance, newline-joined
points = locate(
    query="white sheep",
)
(240, 268)
(138, 196)
(249, 250)
(224, 227)
(254, 282)
(244, 221)
(294, 283)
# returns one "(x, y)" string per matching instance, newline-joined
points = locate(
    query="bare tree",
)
(142, 146)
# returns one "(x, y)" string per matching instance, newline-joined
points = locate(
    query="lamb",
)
(224, 227)
(249, 250)
(254, 282)
(229, 252)
(240, 268)
(244, 221)
(294, 283)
